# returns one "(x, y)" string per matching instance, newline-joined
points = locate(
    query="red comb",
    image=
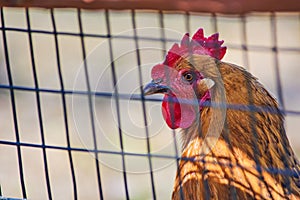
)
(199, 44)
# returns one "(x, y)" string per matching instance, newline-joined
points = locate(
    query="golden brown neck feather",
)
(211, 120)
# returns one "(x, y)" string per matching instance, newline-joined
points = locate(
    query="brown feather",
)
(251, 142)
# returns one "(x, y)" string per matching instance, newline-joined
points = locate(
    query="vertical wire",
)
(187, 22)
(287, 183)
(245, 52)
(226, 131)
(207, 194)
(246, 61)
(178, 158)
(276, 62)
(245, 58)
(116, 92)
(143, 102)
(253, 123)
(13, 105)
(214, 22)
(205, 181)
(245, 42)
(63, 99)
(38, 100)
(90, 104)
(246, 64)
(226, 135)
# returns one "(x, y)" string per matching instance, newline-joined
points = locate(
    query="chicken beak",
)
(155, 87)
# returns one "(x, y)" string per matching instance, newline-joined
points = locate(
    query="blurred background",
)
(38, 68)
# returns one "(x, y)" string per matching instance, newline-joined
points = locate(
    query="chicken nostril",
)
(158, 80)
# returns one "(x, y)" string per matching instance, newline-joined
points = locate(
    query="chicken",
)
(233, 137)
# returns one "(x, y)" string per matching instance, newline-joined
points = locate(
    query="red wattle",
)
(171, 111)
(177, 115)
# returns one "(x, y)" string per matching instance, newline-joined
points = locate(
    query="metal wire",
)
(38, 100)
(117, 96)
(163, 36)
(13, 104)
(90, 104)
(143, 103)
(63, 99)
(116, 91)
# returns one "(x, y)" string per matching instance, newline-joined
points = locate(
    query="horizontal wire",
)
(138, 97)
(288, 172)
(231, 46)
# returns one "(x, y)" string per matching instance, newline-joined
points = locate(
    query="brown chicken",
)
(234, 141)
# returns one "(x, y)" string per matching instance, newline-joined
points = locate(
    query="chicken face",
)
(183, 98)
(184, 87)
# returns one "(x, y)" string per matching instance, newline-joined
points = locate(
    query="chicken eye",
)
(188, 77)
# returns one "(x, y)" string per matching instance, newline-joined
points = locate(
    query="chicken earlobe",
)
(204, 85)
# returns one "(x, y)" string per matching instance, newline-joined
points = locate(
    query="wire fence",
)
(74, 122)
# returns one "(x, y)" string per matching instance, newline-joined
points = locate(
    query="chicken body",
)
(250, 144)
(237, 149)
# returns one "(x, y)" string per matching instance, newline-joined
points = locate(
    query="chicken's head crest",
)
(199, 44)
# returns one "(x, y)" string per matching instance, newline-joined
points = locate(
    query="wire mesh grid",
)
(74, 124)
